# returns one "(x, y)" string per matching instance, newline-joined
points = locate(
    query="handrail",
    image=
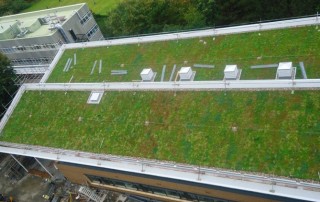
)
(243, 176)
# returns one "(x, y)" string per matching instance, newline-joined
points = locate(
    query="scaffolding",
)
(91, 194)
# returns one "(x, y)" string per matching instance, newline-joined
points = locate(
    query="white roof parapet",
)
(261, 184)
(299, 84)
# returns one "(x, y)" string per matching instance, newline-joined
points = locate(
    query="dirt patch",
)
(30, 188)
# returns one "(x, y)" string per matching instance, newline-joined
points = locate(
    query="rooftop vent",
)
(285, 70)
(95, 97)
(186, 74)
(148, 75)
(44, 21)
(231, 72)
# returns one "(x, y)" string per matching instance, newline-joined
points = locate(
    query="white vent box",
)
(285, 70)
(147, 75)
(185, 73)
(231, 72)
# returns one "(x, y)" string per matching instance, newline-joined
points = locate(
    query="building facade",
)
(34, 38)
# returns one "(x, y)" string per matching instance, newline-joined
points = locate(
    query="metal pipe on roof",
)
(62, 32)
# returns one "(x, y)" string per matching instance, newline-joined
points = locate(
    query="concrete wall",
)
(76, 174)
(31, 42)
(78, 28)
(72, 23)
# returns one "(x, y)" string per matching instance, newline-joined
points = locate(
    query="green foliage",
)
(281, 141)
(133, 17)
(142, 17)
(7, 87)
(8, 7)
(273, 47)
(99, 7)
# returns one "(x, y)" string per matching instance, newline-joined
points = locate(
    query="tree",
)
(8, 7)
(7, 85)
(133, 17)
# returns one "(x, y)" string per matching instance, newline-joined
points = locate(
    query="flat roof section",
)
(13, 24)
(276, 131)
(131, 57)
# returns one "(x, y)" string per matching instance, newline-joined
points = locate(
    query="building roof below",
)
(11, 26)
(271, 132)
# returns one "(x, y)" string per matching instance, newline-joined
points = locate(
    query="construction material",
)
(303, 71)
(100, 66)
(264, 66)
(74, 59)
(91, 194)
(203, 66)
(163, 72)
(119, 72)
(71, 79)
(94, 66)
(173, 71)
(67, 65)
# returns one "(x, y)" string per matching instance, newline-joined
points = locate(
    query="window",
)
(151, 189)
(92, 31)
(36, 47)
(21, 48)
(85, 18)
(32, 61)
(7, 50)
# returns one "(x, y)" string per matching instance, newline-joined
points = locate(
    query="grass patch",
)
(101, 7)
(274, 132)
(296, 44)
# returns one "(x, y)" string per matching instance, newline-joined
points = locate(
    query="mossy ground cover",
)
(245, 50)
(271, 132)
(101, 7)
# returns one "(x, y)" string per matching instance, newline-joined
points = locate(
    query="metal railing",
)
(144, 164)
(285, 84)
(216, 27)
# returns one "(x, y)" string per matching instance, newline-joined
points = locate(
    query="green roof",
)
(245, 50)
(272, 132)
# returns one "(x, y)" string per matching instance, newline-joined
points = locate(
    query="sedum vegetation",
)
(296, 44)
(270, 132)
